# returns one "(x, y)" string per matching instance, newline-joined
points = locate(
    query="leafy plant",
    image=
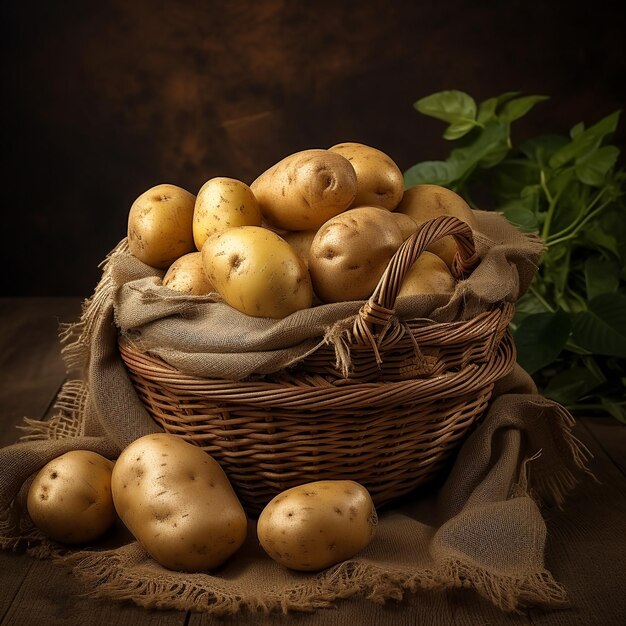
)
(570, 327)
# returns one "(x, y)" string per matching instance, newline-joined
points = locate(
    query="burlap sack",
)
(482, 530)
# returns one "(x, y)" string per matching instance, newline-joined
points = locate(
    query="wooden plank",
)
(50, 595)
(32, 372)
(30, 358)
(586, 549)
(610, 436)
(13, 570)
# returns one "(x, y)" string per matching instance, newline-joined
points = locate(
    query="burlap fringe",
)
(76, 337)
(67, 415)
(104, 575)
(338, 336)
(554, 486)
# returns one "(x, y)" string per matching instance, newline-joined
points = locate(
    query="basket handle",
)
(379, 309)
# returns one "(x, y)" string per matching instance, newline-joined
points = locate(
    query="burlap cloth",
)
(483, 529)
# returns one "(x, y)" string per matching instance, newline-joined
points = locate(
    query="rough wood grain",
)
(610, 436)
(30, 361)
(50, 595)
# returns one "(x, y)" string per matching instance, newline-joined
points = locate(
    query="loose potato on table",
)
(70, 498)
(187, 275)
(316, 525)
(160, 225)
(305, 189)
(351, 251)
(425, 202)
(428, 275)
(177, 501)
(257, 272)
(379, 181)
(222, 203)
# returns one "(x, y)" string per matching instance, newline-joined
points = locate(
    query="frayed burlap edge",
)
(104, 576)
(76, 337)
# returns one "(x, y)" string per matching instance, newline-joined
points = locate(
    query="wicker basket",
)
(414, 390)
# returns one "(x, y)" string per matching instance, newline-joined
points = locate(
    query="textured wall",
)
(105, 99)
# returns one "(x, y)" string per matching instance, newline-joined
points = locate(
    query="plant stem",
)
(541, 299)
(575, 223)
(552, 200)
(590, 216)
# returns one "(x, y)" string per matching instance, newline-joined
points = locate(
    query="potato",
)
(178, 503)
(425, 202)
(316, 525)
(350, 253)
(70, 498)
(379, 181)
(188, 276)
(305, 189)
(160, 225)
(220, 204)
(429, 274)
(407, 224)
(300, 241)
(257, 272)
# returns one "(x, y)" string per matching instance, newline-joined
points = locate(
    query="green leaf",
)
(514, 109)
(527, 305)
(601, 276)
(450, 106)
(488, 142)
(432, 172)
(520, 215)
(540, 339)
(602, 328)
(458, 130)
(612, 221)
(556, 261)
(486, 110)
(506, 96)
(571, 384)
(511, 176)
(586, 141)
(593, 168)
(540, 149)
(616, 409)
(596, 237)
(576, 130)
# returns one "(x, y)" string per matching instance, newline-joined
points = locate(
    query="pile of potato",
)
(319, 226)
(179, 504)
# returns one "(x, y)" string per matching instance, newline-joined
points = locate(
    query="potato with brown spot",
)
(257, 272)
(223, 203)
(314, 526)
(426, 202)
(187, 275)
(428, 275)
(160, 225)
(351, 251)
(70, 498)
(305, 189)
(379, 181)
(177, 501)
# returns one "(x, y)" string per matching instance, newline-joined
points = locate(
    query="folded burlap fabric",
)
(483, 529)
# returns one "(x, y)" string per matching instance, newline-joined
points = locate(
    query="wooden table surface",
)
(36, 592)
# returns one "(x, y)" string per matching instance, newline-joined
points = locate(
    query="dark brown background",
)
(105, 99)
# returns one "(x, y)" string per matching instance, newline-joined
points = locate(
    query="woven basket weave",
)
(391, 422)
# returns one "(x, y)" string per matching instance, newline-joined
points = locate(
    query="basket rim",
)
(316, 392)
